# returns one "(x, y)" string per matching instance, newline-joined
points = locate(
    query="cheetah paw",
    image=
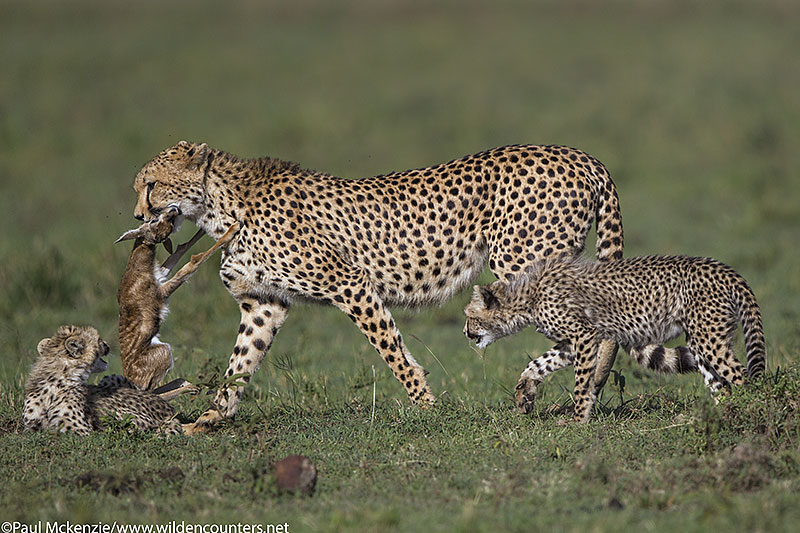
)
(426, 399)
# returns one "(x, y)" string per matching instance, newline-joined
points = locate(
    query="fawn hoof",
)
(172, 211)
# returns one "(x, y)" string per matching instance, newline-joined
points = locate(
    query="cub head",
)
(487, 318)
(76, 351)
(173, 178)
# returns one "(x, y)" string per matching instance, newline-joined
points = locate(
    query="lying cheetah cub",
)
(638, 302)
(143, 294)
(58, 396)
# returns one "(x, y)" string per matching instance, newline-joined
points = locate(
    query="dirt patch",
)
(10, 425)
(116, 483)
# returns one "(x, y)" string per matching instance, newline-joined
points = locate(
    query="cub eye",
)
(150, 187)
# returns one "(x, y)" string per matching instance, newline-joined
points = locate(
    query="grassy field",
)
(694, 110)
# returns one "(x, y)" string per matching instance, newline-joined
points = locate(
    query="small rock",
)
(296, 473)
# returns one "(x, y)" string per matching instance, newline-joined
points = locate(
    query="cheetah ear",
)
(75, 346)
(198, 155)
(42, 345)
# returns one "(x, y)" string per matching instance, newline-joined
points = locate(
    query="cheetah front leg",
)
(261, 320)
(537, 370)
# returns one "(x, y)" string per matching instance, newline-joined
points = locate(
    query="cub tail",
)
(678, 360)
(754, 343)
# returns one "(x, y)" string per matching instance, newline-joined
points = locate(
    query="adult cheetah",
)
(408, 238)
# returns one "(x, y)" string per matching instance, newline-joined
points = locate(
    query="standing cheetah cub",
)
(143, 294)
(639, 303)
(58, 396)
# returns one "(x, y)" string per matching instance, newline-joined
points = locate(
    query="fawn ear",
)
(167, 245)
(129, 235)
(75, 346)
(42, 345)
(197, 154)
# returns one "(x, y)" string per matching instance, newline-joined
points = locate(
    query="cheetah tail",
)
(755, 345)
(678, 360)
(609, 221)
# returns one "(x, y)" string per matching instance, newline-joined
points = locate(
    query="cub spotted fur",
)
(638, 302)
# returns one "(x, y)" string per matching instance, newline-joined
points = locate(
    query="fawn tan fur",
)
(143, 294)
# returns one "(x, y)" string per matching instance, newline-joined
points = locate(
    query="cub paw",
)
(525, 395)
(203, 424)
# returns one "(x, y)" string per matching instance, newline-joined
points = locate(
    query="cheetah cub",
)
(638, 302)
(58, 396)
(143, 294)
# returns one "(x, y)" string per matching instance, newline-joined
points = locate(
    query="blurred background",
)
(692, 106)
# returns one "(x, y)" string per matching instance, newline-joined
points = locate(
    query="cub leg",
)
(585, 347)
(555, 359)
(718, 364)
(606, 355)
(552, 360)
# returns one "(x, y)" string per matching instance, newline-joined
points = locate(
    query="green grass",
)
(692, 108)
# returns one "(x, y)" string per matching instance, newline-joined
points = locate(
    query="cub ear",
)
(198, 155)
(485, 295)
(499, 289)
(75, 346)
(42, 345)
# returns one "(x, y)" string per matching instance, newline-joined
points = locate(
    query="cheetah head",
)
(75, 351)
(175, 177)
(485, 314)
